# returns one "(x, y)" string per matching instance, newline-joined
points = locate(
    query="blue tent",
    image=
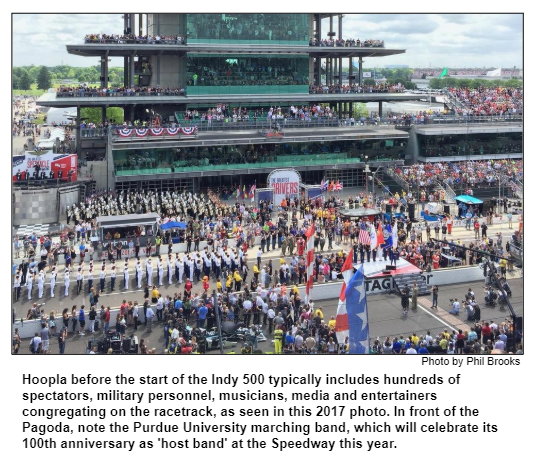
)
(172, 224)
(468, 199)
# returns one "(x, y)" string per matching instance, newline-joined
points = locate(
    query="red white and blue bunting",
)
(125, 132)
(144, 132)
(141, 132)
(189, 131)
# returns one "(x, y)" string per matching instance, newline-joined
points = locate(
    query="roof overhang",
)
(50, 99)
(119, 50)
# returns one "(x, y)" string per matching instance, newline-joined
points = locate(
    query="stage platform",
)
(377, 268)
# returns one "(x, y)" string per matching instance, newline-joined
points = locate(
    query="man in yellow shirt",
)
(256, 272)
(443, 343)
(295, 289)
(238, 279)
(319, 313)
(332, 323)
(415, 339)
(155, 294)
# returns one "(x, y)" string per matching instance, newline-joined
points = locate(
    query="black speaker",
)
(518, 323)
(391, 267)
(411, 210)
(126, 344)
(447, 209)
(388, 209)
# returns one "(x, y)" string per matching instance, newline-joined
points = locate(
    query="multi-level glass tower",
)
(196, 62)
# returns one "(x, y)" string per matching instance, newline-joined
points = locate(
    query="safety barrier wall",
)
(320, 292)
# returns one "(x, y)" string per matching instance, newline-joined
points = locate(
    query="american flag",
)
(364, 237)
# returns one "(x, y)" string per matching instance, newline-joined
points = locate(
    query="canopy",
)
(128, 220)
(468, 199)
(173, 224)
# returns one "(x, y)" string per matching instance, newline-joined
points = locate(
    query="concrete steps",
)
(408, 279)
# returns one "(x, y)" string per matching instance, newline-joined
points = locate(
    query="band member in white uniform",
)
(66, 282)
(40, 284)
(138, 268)
(169, 269)
(126, 276)
(160, 271)
(53, 280)
(149, 272)
(30, 283)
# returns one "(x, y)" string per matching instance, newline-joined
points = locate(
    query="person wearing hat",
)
(16, 288)
(112, 277)
(149, 271)
(126, 276)
(66, 282)
(169, 268)
(30, 283)
(40, 284)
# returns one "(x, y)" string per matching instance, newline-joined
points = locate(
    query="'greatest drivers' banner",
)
(285, 183)
(63, 167)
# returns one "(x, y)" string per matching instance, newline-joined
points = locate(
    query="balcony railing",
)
(109, 93)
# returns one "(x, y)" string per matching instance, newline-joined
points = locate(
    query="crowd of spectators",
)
(248, 27)
(121, 39)
(489, 101)
(475, 174)
(85, 91)
(224, 111)
(349, 42)
(354, 88)
(418, 73)
(257, 71)
(484, 337)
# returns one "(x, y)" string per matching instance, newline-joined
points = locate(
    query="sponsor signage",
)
(367, 74)
(285, 183)
(26, 165)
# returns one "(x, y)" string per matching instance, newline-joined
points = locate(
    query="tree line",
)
(24, 77)
(450, 82)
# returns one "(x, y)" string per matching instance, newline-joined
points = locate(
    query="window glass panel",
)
(253, 74)
(286, 29)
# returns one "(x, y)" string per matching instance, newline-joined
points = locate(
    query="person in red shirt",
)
(485, 333)
(205, 284)
(301, 246)
(123, 308)
(476, 227)
(435, 261)
(449, 225)
(188, 287)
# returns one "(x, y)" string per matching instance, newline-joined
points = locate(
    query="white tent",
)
(48, 143)
(61, 115)
(494, 73)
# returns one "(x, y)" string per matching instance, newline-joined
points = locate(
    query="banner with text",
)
(285, 183)
(32, 165)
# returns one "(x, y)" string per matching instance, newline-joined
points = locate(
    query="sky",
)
(430, 40)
